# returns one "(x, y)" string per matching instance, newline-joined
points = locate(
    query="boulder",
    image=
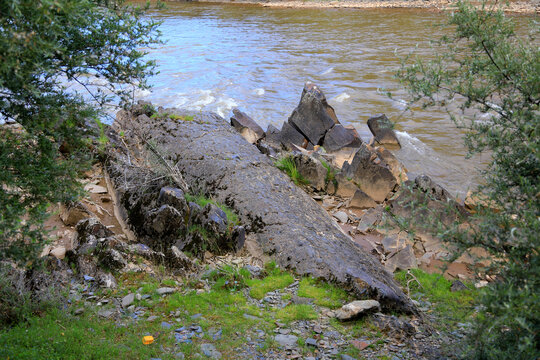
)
(312, 170)
(173, 197)
(396, 167)
(313, 117)
(383, 130)
(339, 137)
(361, 200)
(280, 217)
(289, 135)
(273, 136)
(165, 220)
(404, 259)
(241, 121)
(357, 308)
(345, 187)
(370, 174)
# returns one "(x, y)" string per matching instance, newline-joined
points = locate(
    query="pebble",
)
(151, 318)
(210, 351)
(165, 290)
(311, 342)
(286, 340)
(128, 300)
(341, 216)
(165, 325)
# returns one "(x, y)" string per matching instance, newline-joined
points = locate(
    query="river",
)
(218, 57)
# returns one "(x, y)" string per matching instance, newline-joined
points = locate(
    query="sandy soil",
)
(523, 7)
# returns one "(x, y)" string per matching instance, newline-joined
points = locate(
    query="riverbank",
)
(518, 7)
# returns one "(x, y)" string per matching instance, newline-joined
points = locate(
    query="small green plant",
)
(330, 173)
(202, 201)
(287, 165)
(276, 279)
(296, 312)
(229, 277)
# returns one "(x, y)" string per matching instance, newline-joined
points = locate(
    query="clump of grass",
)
(229, 277)
(330, 173)
(296, 312)
(276, 279)
(166, 115)
(202, 201)
(287, 165)
(452, 306)
(324, 294)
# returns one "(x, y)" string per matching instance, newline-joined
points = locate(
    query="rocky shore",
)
(521, 7)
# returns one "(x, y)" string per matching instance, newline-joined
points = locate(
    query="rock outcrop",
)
(215, 160)
(383, 130)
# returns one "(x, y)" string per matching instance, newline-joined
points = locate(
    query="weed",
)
(287, 165)
(330, 173)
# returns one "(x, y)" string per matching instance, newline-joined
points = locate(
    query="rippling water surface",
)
(217, 57)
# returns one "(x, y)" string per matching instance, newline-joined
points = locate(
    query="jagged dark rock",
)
(241, 121)
(383, 130)
(284, 220)
(339, 137)
(313, 117)
(370, 174)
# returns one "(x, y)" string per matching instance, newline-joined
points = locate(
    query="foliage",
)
(330, 173)
(275, 279)
(494, 76)
(287, 165)
(51, 53)
(296, 312)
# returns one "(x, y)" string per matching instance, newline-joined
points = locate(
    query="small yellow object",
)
(147, 340)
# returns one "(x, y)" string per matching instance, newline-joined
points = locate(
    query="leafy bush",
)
(490, 71)
(46, 45)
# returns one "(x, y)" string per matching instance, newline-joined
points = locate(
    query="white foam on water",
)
(142, 93)
(411, 142)
(328, 71)
(341, 97)
(259, 91)
(180, 101)
(205, 98)
(224, 105)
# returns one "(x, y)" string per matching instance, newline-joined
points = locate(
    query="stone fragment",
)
(361, 200)
(106, 280)
(164, 220)
(165, 325)
(174, 197)
(373, 178)
(313, 116)
(345, 187)
(383, 130)
(356, 308)
(178, 259)
(273, 136)
(290, 136)
(72, 213)
(286, 340)
(341, 216)
(112, 259)
(242, 121)
(346, 357)
(95, 189)
(457, 285)
(165, 290)
(128, 300)
(396, 167)
(214, 219)
(210, 351)
(152, 318)
(311, 342)
(312, 170)
(339, 137)
(107, 314)
(393, 326)
(255, 271)
(58, 252)
(403, 260)
(360, 345)
(91, 227)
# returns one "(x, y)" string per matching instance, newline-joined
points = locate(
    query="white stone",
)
(355, 308)
(58, 252)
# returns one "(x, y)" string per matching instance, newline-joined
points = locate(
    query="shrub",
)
(485, 67)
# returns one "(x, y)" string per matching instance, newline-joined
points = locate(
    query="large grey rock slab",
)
(287, 223)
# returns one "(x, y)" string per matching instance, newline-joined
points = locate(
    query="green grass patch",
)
(452, 306)
(330, 173)
(270, 283)
(296, 312)
(324, 294)
(202, 201)
(58, 335)
(287, 165)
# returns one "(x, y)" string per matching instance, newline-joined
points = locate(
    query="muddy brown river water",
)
(218, 57)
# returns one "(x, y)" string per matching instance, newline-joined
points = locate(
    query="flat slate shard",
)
(288, 223)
